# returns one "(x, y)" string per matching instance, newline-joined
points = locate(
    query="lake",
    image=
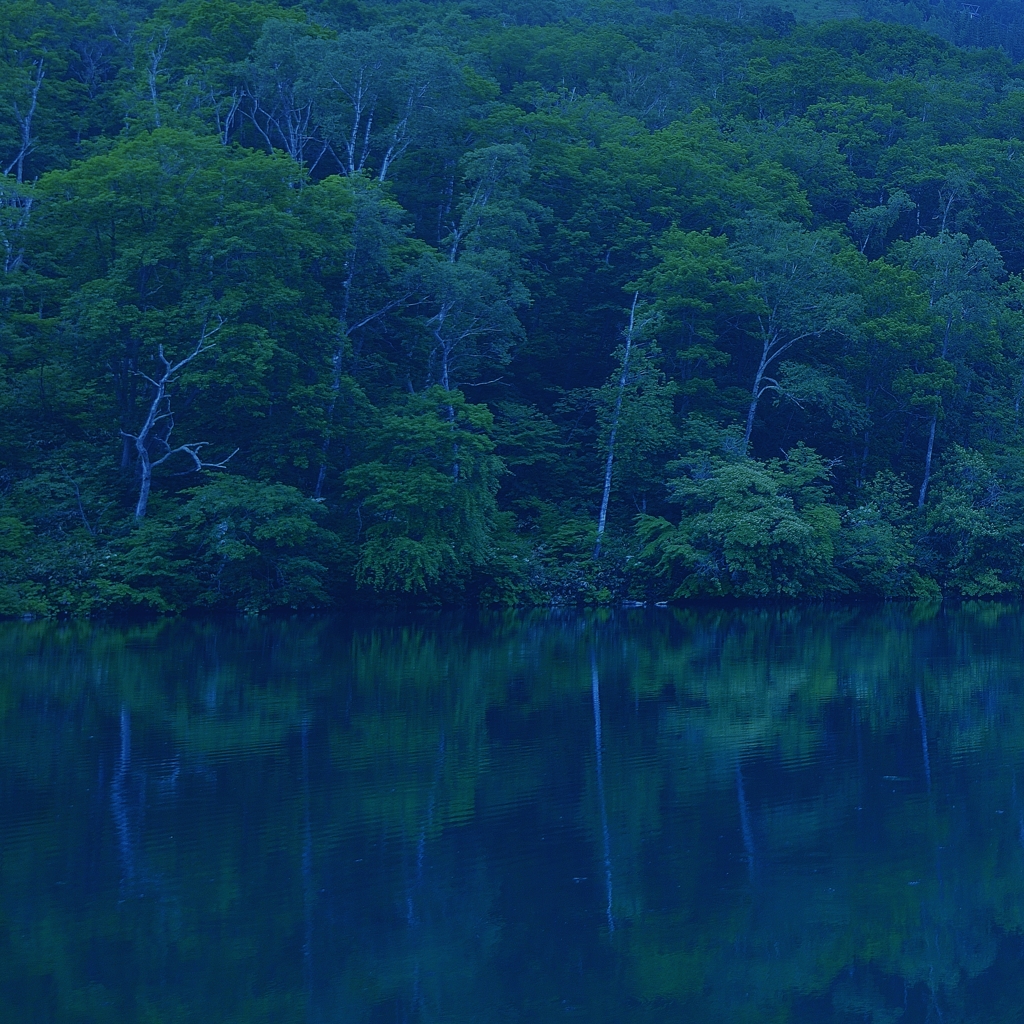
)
(654, 815)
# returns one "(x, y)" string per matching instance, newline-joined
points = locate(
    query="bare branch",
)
(160, 412)
(383, 311)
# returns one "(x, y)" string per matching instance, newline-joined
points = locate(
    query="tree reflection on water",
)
(808, 815)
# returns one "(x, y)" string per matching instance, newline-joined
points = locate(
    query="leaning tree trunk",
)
(935, 419)
(928, 463)
(758, 390)
(603, 516)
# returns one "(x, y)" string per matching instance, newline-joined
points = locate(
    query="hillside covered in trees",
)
(306, 304)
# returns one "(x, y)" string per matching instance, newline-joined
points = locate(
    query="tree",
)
(421, 525)
(24, 113)
(366, 275)
(155, 431)
(798, 290)
(234, 543)
(962, 281)
(474, 283)
(749, 528)
(614, 426)
(163, 233)
(636, 409)
(700, 295)
(282, 91)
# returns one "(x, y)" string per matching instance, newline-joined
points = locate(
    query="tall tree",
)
(799, 295)
(962, 280)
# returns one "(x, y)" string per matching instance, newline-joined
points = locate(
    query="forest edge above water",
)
(307, 304)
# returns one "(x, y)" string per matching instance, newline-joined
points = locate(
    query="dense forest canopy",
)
(310, 303)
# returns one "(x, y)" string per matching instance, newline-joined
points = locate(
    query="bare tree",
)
(379, 97)
(225, 112)
(401, 135)
(361, 94)
(455, 325)
(363, 89)
(158, 425)
(774, 344)
(27, 142)
(153, 59)
(285, 115)
(93, 63)
(282, 92)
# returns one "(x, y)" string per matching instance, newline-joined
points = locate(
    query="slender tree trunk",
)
(755, 395)
(155, 56)
(928, 462)
(445, 383)
(751, 413)
(25, 125)
(141, 440)
(603, 516)
(335, 388)
(935, 418)
(320, 476)
(336, 362)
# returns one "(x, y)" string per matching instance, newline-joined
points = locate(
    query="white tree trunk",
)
(603, 516)
(160, 413)
(927, 463)
(25, 125)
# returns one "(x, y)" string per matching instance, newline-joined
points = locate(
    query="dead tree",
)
(26, 141)
(285, 112)
(156, 429)
(156, 54)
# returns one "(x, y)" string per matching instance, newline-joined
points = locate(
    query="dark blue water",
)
(747, 815)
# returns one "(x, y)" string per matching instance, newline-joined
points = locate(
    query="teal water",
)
(745, 815)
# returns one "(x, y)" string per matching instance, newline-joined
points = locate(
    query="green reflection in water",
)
(793, 815)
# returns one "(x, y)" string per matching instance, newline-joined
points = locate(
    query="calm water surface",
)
(654, 816)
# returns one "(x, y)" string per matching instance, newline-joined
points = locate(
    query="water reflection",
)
(716, 815)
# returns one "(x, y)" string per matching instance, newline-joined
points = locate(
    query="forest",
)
(508, 302)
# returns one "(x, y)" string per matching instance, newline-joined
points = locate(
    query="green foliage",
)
(234, 543)
(645, 432)
(395, 250)
(749, 528)
(426, 503)
(876, 547)
(975, 532)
